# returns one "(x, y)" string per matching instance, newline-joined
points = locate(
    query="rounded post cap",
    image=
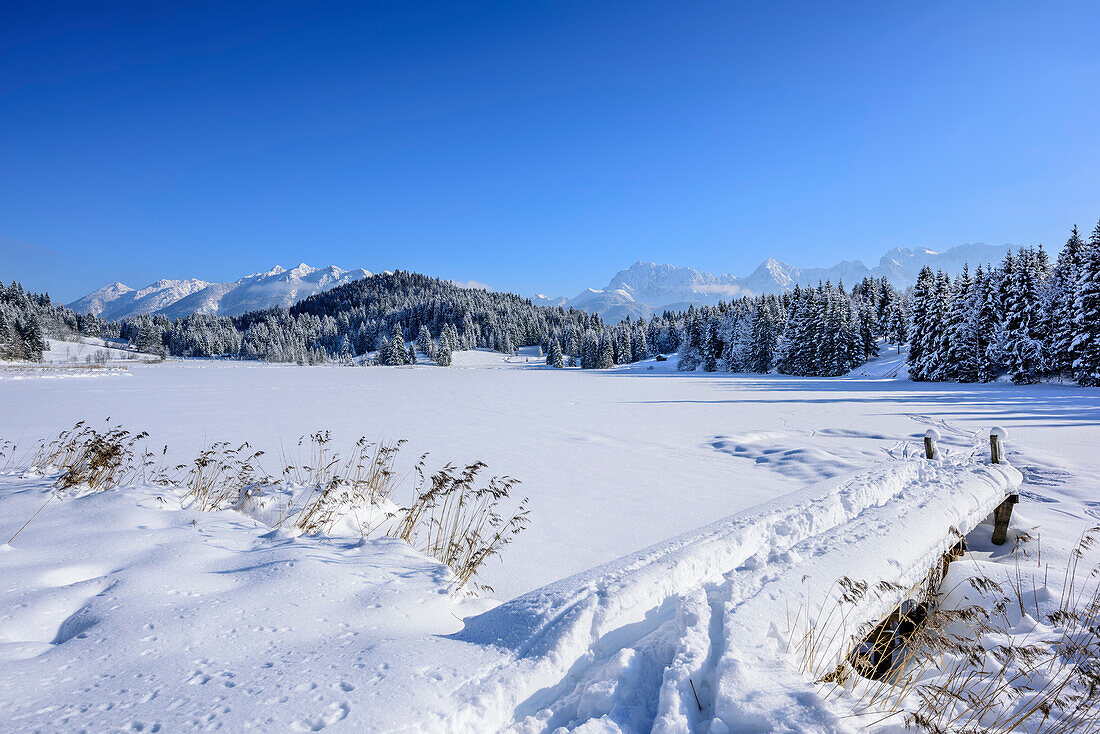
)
(998, 432)
(933, 434)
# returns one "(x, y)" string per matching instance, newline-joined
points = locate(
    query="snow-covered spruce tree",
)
(927, 332)
(794, 346)
(554, 357)
(712, 348)
(817, 347)
(896, 326)
(443, 354)
(1060, 297)
(1086, 340)
(11, 342)
(984, 320)
(640, 343)
(605, 357)
(425, 343)
(33, 342)
(89, 325)
(765, 339)
(962, 363)
(936, 347)
(691, 351)
(1023, 316)
(736, 334)
(590, 347)
(395, 354)
(869, 331)
(920, 309)
(622, 346)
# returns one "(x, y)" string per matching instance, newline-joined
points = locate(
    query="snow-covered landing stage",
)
(692, 634)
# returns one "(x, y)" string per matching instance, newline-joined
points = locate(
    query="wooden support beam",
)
(1001, 517)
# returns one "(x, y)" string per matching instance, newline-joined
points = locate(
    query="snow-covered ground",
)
(120, 609)
(89, 350)
(88, 357)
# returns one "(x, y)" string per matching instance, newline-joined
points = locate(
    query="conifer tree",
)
(1022, 348)
(605, 359)
(962, 357)
(896, 328)
(1086, 341)
(640, 344)
(425, 343)
(765, 339)
(33, 341)
(712, 351)
(11, 342)
(1061, 294)
(920, 309)
(691, 351)
(395, 354)
(554, 357)
(443, 354)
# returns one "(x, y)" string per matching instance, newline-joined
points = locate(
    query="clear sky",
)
(534, 146)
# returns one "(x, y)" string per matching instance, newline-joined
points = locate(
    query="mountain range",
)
(647, 288)
(638, 291)
(178, 298)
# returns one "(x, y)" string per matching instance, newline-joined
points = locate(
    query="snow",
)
(647, 288)
(88, 357)
(679, 522)
(78, 352)
(178, 298)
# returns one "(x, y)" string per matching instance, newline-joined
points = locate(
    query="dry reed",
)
(999, 665)
(453, 516)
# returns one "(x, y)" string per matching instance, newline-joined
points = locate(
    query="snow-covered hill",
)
(647, 288)
(177, 298)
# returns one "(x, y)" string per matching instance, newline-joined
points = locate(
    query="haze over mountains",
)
(638, 291)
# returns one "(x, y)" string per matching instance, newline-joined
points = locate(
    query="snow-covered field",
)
(122, 610)
(89, 357)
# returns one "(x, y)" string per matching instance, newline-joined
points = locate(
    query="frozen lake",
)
(612, 461)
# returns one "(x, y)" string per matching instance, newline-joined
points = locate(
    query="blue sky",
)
(534, 146)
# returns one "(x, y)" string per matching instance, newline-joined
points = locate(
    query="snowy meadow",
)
(672, 516)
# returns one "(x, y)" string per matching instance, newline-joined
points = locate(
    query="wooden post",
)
(930, 438)
(997, 436)
(1001, 517)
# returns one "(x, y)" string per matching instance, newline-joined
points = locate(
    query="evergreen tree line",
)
(27, 319)
(1021, 318)
(396, 316)
(393, 316)
(816, 331)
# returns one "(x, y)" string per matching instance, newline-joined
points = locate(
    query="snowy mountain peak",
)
(646, 288)
(178, 298)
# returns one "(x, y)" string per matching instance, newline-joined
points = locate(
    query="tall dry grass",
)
(365, 478)
(456, 517)
(1006, 662)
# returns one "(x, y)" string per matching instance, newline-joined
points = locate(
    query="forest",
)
(1023, 318)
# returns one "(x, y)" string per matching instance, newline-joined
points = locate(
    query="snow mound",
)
(613, 647)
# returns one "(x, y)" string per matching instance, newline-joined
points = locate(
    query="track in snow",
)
(630, 646)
